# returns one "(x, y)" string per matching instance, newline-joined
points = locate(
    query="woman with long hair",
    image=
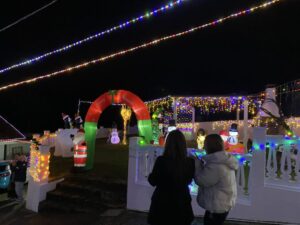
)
(171, 175)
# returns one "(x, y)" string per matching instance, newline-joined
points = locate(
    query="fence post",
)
(257, 174)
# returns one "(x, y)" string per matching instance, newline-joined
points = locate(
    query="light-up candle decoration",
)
(39, 162)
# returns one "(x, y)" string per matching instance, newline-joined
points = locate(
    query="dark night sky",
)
(239, 56)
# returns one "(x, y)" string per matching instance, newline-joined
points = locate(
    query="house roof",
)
(8, 131)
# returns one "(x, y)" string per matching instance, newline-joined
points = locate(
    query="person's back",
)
(171, 200)
(215, 176)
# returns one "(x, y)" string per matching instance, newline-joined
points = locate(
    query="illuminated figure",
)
(233, 135)
(233, 142)
(67, 121)
(115, 136)
(200, 138)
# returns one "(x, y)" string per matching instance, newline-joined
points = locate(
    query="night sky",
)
(239, 56)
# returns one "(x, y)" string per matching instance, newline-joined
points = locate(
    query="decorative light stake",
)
(126, 114)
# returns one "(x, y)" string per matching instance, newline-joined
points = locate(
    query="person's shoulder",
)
(160, 158)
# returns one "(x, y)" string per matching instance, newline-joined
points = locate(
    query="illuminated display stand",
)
(39, 162)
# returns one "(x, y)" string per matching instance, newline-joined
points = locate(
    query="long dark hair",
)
(175, 149)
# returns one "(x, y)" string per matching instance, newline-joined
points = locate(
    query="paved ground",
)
(16, 214)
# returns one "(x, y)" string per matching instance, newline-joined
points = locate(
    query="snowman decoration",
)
(233, 135)
(233, 142)
(114, 136)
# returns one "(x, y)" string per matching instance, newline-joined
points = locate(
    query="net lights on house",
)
(138, 47)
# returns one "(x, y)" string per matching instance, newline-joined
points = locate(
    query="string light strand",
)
(142, 46)
(95, 36)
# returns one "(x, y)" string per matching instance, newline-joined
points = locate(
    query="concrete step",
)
(90, 180)
(85, 194)
(106, 193)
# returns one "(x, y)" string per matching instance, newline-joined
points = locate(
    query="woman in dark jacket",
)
(172, 173)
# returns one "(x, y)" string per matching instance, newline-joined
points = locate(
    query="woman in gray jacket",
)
(215, 176)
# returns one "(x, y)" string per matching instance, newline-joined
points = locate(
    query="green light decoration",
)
(145, 129)
(155, 126)
(104, 101)
(90, 129)
(142, 142)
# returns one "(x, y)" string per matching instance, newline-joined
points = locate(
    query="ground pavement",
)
(16, 214)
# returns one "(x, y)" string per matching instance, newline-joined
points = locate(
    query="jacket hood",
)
(222, 157)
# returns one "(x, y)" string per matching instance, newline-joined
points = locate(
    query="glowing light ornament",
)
(233, 143)
(200, 138)
(95, 36)
(114, 136)
(39, 162)
(157, 126)
(142, 46)
(233, 135)
(126, 114)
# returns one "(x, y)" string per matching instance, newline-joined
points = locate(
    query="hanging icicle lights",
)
(206, 104)
(95, 36)
(142, 46)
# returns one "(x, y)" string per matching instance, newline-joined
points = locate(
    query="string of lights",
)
(95, 36)
(207, 104)
(289, 87)
(142, 46)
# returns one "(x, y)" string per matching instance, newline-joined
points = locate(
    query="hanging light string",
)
(95, 36)
(142, 46)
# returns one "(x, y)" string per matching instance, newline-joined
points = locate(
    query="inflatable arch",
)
(101, 103)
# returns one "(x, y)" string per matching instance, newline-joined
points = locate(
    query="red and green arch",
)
(101, 103)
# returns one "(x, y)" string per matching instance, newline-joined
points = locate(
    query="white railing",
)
(268, 184)
(283, 163)
(148, 154)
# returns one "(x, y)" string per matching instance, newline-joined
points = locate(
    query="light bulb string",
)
(145, 45)
(94, 36)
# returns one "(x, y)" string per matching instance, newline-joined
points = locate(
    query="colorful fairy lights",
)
(142, 46)
(95, 36)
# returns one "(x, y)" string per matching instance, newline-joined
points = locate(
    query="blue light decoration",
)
(121, 25)
(262, 147)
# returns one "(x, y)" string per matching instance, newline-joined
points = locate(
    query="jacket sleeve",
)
(155, 175)
(205, 175)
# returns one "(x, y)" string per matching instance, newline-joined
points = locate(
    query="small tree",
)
(126, 114)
